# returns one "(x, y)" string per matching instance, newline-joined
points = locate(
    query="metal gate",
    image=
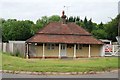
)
(112, 50)
(116, 50)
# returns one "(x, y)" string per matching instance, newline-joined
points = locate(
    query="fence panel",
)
(13, 47)
(19, 48)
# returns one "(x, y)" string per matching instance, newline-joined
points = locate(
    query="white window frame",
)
(50, 46)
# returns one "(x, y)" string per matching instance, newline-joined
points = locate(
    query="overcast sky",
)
(98, 10)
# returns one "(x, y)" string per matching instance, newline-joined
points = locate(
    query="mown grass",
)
(58, 65)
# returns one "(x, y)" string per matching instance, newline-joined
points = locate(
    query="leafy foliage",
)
(111, 28)
(16, 30)
(13, 29)
(54, 18)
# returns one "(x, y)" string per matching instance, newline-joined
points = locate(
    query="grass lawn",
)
(58, 65)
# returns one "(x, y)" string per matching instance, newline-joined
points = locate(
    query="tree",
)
(101, 26)
(39, 24)
(78, 18)
(85, 20)
(85, 26)
(54, 18)
(71, 19)
(99, 34)
(13, 29)
(2, 20)
(43, 21)
(112, 28)
(90, 25)
(16, 30)
(74, 19)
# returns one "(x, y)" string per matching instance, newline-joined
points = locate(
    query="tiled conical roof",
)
(57, 32)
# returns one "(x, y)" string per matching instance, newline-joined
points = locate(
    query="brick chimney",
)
(63, 17)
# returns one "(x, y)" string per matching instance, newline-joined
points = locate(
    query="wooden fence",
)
(13, 47)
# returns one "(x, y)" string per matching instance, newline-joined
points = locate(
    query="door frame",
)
(63, 50)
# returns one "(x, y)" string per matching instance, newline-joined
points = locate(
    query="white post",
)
(4, 47)
(89, 52)
(113, 50)
(27, 51)
(74, 50)
(43, 50)
(59, 50)
(102, 51)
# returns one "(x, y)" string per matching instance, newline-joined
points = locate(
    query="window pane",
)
(48, 46)
(52, 46)
(63, 47)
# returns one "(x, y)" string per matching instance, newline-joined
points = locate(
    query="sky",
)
(98, 10)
